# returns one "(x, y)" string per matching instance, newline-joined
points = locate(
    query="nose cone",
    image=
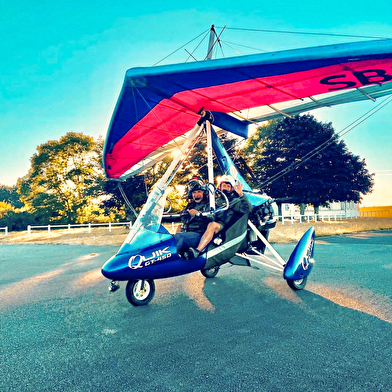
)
(107, 269)
(145, 245)
(114, 267)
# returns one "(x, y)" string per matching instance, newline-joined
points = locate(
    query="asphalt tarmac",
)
(245, 330)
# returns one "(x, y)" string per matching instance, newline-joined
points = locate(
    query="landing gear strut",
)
(114, 286)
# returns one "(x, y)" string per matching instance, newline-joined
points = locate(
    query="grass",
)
(282, 233)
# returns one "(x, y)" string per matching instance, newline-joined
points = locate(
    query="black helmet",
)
(196, 185)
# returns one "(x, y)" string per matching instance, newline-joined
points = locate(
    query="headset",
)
(196, 185)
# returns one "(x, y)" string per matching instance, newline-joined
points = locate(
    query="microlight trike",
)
(158, 112)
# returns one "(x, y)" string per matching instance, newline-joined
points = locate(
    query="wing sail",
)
(159, 105)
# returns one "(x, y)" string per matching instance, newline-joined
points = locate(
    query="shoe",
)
(191, 254)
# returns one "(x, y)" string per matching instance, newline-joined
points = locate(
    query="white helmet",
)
(229, 179)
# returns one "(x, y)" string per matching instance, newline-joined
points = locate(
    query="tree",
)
(4, 208)
(9, 194)
(65, 177)
(134, 189)
(332, 174)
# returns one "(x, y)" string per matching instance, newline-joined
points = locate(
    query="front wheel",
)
(298, 284)
(140, 292)
(210, 272)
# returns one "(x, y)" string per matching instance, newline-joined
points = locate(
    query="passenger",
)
(238, 205)
(191, 230)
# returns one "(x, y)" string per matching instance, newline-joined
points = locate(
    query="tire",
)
(210, 272)
(140, 292)
(297, 284)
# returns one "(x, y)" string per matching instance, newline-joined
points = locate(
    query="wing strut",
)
(210, 164)
(150, 216)
(318, 102)
(279, 111)
(366, 94)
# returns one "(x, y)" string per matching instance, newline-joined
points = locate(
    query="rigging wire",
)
(220, 46)
(301, 160)
(328, 142)
(134, 88)
(223, 53)
(306, 33)
(128, 203)
(197, 46)
(204, 32)
(228, 43)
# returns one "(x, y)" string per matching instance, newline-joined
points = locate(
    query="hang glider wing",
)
(159, 105)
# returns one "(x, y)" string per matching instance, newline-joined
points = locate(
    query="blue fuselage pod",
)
(301, 259)
(150, 255)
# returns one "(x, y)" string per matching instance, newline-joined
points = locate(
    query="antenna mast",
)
(211, 42)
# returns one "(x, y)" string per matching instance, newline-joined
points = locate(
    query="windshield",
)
(151, 215)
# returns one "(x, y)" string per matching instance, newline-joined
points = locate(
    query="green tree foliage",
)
(332, 174)
(9, 194)
(64, 179)
(12, 213)
(134, 189)
(17, 220)
(4, 208)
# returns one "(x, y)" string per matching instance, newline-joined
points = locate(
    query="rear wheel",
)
(140, 292)
(210, 272)
(298, 284)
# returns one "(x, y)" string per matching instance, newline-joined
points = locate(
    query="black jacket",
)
(197, 224)
(238, 206)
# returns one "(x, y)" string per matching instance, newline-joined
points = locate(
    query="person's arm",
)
(241, 204)
(193, 212)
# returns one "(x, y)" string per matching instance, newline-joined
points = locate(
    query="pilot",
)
(238, 206)
(191, 230)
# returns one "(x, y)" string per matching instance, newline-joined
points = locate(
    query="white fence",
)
(321, 217)
(70, 226)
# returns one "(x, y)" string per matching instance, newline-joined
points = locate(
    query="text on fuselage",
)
(140, 261)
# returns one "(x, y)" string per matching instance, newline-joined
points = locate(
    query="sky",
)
(63, 64)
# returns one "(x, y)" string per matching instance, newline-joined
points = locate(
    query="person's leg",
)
(187, 240)
(212, 229)
(179, 237)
